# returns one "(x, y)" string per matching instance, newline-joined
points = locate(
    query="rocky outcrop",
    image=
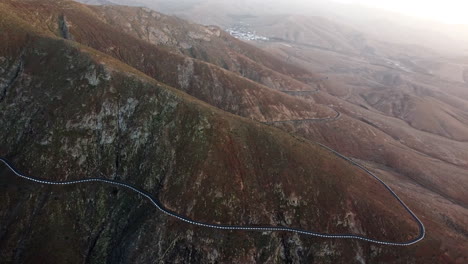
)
(207, 43)
(82, 115)
(9, 75)
(78, 113)
(64, 28)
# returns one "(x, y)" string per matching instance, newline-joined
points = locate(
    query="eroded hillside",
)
(99, 103)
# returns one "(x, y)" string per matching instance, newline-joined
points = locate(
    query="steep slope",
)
(380, 91)
(409, 125)
(380, 24)
(71, 112)
(316, 31)
(392, 79)
(207, 43)
(96, 2)
(212, 84)
(422, 150)
(437, 165)
(426, 113)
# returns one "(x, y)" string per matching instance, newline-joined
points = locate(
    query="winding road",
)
(300, 93)
(155, 201)
(306, 120)
(306, 92)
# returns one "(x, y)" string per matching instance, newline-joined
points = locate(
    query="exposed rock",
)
(11, 76)
(156, 36)
(155, 15)
(92, 76)
(185, 45)
(185, 73)
(77, 113)
(64, 28)
(198, 36)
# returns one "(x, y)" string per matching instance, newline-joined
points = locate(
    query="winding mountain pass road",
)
(307, 120)
(306, 92)
(155, 201)
(300, 93)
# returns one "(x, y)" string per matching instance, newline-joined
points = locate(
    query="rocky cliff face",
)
(214, 85)
(73, 113)
(208, 44)
(69, 111)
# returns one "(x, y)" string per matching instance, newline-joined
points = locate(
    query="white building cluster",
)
(245, 34)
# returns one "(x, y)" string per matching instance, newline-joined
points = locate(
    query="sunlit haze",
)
(448, 11)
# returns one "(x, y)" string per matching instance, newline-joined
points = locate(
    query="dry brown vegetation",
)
(106, 103)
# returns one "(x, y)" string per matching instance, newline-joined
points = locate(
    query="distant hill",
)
(96, 2)
(111, 2)
(177, 108)
(383, 25)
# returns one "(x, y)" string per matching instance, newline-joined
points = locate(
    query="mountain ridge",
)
(135, 124)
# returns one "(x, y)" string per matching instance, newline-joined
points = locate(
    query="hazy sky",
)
(448, 11)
